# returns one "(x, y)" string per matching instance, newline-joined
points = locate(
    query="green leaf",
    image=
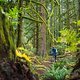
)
(78, 22)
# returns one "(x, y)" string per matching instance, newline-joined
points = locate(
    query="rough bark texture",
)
(3, 47)
(37, 38)
(43, 31)
(68, 15)
(79, 8)
(6, 42)
(19, 38)
(37, 33)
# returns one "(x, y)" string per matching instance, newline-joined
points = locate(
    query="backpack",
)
(51, 52)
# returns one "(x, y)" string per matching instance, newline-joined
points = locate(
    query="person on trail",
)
(54, 53)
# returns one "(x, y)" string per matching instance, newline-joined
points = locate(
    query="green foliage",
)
(77, 23)
(69, 38)
(58, 71)
(3, 1)
(61, 48)
(13, 13)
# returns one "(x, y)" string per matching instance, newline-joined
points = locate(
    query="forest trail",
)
(43, 66)
(47, 63)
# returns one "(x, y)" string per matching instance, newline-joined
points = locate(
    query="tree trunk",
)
(68, 17)
(19, 37)
(6, 42)
(79, 8)
(37, 38)
(37, 32)
(43, 31)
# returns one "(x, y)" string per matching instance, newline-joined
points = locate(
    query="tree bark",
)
(20, 19)
(79, 9)
(68, 17)
(6, 42)
(37, 38)
(43, 31)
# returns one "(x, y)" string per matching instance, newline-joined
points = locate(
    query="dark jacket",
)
(53, 51)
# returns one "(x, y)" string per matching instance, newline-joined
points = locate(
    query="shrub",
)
(69, 38)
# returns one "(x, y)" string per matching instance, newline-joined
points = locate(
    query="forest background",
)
(37, 25)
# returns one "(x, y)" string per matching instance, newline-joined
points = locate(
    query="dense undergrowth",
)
(44, 70)
(60, 70)
(35, 67)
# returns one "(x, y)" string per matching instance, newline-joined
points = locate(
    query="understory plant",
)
(70, 38)
(58, 71)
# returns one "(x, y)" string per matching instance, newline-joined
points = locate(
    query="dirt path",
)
(45, 64)
(43, 67)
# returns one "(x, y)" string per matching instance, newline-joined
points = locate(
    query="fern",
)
(57, 72)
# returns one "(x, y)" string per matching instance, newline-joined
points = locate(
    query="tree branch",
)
(32, 19)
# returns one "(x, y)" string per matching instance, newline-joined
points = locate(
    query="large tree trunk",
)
(6, 42)
(43, 31)
(68, 17)
(36, 33)
(19, 38)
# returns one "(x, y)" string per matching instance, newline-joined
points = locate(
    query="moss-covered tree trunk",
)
(43, 31)
(19, 37)
(6, 42)
(37, 32)
(3, 46)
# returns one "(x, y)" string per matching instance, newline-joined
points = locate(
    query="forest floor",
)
(46, 63)
(21, 71)
(10, 70)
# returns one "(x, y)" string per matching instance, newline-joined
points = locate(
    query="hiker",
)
(54, 53)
